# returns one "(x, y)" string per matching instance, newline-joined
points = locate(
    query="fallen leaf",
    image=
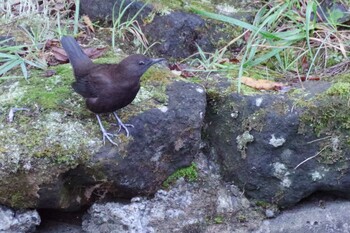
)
(262, 84)
(94, 52)
(88, 22)
(59, 54)
(177, 68)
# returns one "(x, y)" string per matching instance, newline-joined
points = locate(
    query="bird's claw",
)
(107, 135)
(122, 125)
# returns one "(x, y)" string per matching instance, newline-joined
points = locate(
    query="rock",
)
(19, 221)
(280, 150)
(269, 213)
(179, 33)
(103, 12)
(164, 140)
(204, 206)
(172, 33)
(311, 218)
(334, 11)
(55, 159)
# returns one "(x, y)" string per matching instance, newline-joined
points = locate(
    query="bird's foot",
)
(122, 125)
(108, 136)
(105, 134)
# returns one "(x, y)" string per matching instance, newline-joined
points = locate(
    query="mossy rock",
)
(50, 136)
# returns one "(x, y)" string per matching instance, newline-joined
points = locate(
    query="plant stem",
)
(76, 16)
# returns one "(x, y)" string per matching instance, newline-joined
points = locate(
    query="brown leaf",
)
(246, 36)
(181, 68)
(94, 52)
(59, 54)
(261, 84)
(88, 22)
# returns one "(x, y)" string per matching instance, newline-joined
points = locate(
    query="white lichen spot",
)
(280, 170)
(159, 153)
(179, 144)
(234, 114)
(200, 90)
(242, 141)
(12, 93)
(27, 166)
(316, 176)
(286, 182)
(226, 9)
(276, 142)
(335, 143)
(287, 153)
(258, 101)
(163, 109)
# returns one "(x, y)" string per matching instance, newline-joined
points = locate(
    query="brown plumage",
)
(106, 87)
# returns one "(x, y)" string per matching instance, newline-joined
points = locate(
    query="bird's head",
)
(138, 64)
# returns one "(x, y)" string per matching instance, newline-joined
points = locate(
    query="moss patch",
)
(189, 173)
(327, 114)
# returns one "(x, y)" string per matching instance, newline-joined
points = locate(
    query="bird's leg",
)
(104, 132)
(122, 125)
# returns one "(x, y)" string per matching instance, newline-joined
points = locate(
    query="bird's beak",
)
(157, 60)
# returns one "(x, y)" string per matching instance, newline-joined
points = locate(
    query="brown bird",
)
(106, 87)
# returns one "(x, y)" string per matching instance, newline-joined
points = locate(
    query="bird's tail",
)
(79, 60)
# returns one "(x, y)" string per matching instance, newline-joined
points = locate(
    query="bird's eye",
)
(141, 63)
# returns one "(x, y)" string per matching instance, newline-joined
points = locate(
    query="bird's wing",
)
(92, 85)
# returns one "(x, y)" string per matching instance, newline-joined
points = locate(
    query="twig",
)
(12, 113)
(311, 157)
(320, 139)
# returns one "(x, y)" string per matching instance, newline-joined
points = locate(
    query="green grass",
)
(283, 41)
(121, 28)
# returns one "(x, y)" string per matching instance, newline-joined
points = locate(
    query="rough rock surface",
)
(312, 217)
(56, 146)
(174, 34)
(18, 221)
(207, 205)
(98, 11)
(179, 33)
(164, 139)
(265, 143)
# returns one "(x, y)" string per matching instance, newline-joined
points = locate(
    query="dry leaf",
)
(180, 69)
(88, 23)
(94, 52)
(261, 84)
(59, 54)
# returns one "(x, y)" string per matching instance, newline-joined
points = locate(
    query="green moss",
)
(262, 204)
(218, 220)
(339, 89)
(328, 114)
(241, 217)
(17, 199)
(16, 191)
(189, 173)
